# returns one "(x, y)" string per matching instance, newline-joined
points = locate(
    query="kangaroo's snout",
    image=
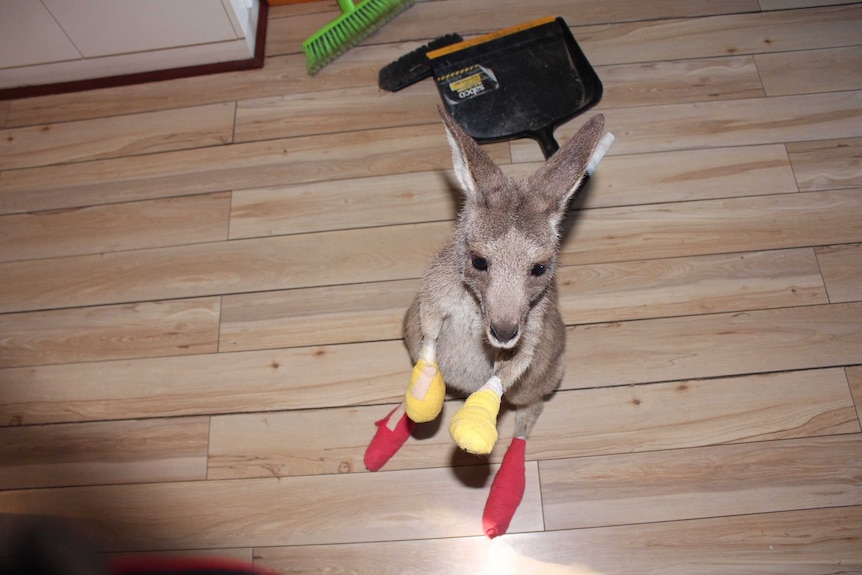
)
(503, 335)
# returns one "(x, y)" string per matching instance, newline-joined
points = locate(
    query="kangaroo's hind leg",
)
(507, 490)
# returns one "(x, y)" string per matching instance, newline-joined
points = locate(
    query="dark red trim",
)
(255, 61)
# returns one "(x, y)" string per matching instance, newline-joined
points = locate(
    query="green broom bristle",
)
(349, 29)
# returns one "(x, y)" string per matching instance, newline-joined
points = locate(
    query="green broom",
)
(357, 22)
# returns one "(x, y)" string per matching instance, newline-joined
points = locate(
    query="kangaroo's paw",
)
(425, 394)
(507, 490)
(474, 426)
(392, 431)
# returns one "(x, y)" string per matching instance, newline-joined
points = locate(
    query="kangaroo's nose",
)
(504, 333)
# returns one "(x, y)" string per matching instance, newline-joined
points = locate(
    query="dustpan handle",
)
(546, 140)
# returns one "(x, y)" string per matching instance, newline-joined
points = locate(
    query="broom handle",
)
(346, 6)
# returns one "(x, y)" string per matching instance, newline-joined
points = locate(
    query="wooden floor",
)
(202, 283)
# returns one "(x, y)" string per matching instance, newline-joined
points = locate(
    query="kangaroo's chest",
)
(464, 357)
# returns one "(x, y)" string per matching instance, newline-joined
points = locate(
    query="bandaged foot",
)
(426, 392)
(392, 431)
(474, 426)
(507, 490)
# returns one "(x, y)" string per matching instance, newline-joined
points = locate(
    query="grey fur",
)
(514, 225)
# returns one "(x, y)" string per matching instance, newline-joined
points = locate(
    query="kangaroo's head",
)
(508, 232)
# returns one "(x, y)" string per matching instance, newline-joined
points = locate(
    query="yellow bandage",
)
(474, 426)
(425, 394)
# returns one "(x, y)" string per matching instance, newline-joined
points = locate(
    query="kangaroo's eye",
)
(538, 270)
(480, 263)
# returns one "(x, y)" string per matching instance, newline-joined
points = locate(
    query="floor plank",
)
(247, 165)
(727, 35)
(678, 81)
(115, 227)
(766, 544)
(810, 71)
(670, 349)
(332, 110)
(613, 234)
(5, 106)
(795, 4)
(687, 286)
(315, 316)
(147, 133)
(280, 75)
(589, 294)
(626, 85)
(221, 268)
(428, 196)
(146, 329)
(265, 512)
(320, 206)
(854, 376)
(841, 267)
(427, 20)
(574, 424)
(722, 123)
(300, 378)
(827, 164)
(665, 349)
(195, 323)
(702, 482)
(104, 453)
(712, 226)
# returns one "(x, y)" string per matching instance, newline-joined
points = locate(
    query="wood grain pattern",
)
(5, 106)
(118, 136)
(589, 294)
(316, 316)
(810, 71)
(320, 206)
(428, 20)
(669, 349)
(144, 329)
(575, 424)
(674, 82)
(196, 323)
(841, 267)
(702, 482)
(712, 226)
(428, 196)
(219, 383)
(660, 288)
(656, 350)
(769, 543)
(221, 268)
(115, 227)
(353, 256)
(722, 123)
(364, 108)
(854, 376)
(253, 164)
(103, 453)
(727, 35)
(794, 4)
(625, 85)
(827, 164)
(264, 512)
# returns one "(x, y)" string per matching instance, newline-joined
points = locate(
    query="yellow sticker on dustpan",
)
(467, 83)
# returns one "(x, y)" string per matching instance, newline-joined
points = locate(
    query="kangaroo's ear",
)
(476, 171)
(560, 176)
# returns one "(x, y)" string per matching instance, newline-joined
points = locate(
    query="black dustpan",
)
(519, 82)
